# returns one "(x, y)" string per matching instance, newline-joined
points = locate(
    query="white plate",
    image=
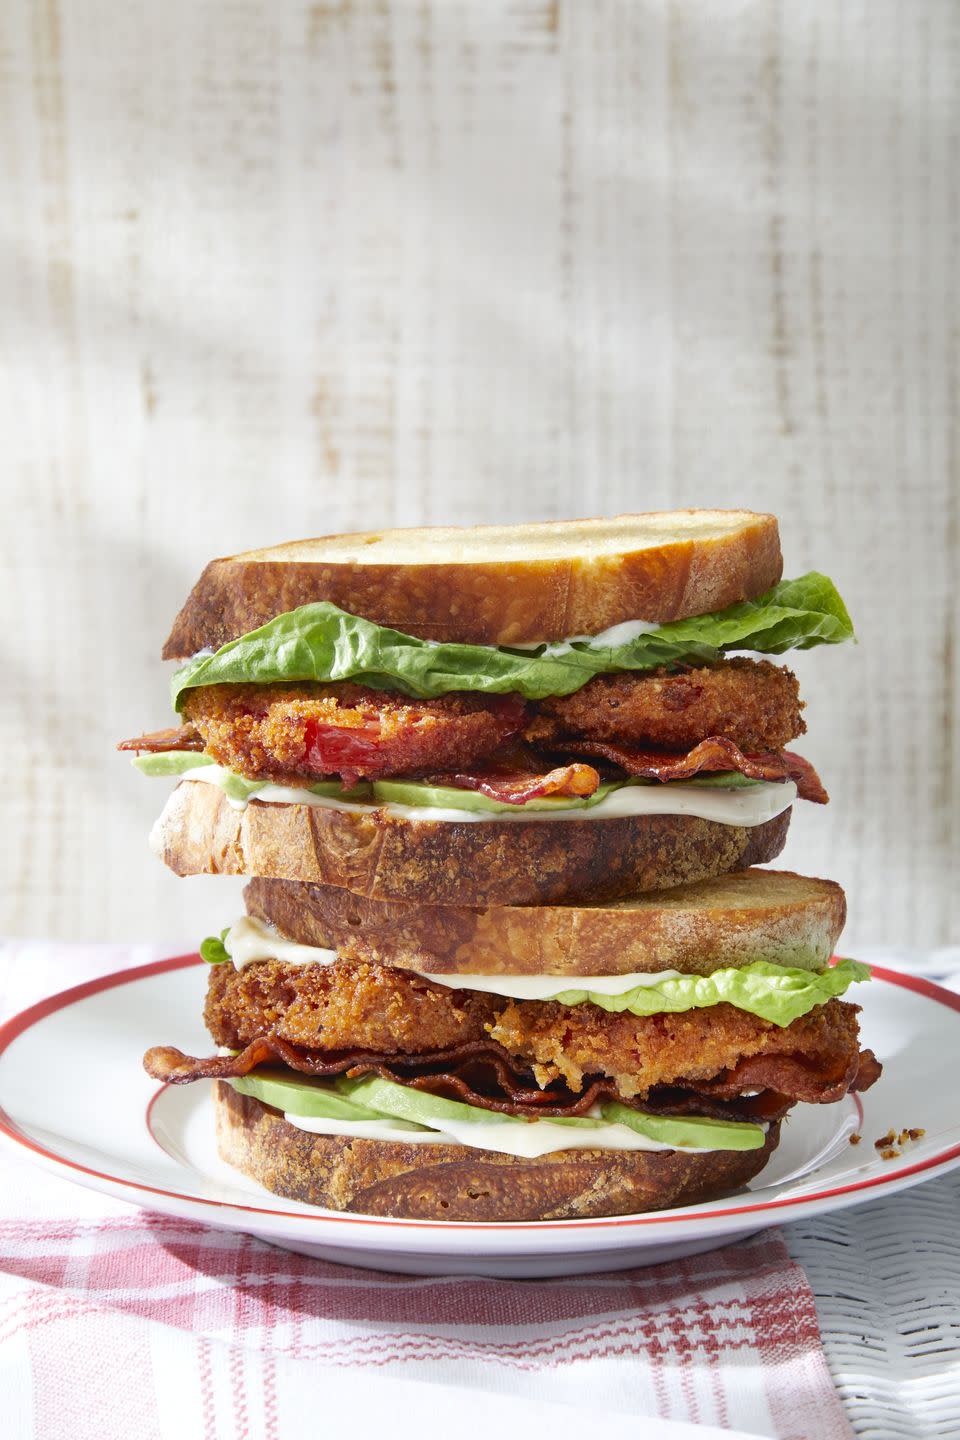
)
(111, 1129)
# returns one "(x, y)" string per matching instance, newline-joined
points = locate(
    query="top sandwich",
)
(524, 672)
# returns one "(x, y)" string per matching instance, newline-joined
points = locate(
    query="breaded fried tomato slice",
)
(344, 1006)
(751, 702)
(305, 732)
(358, 1004)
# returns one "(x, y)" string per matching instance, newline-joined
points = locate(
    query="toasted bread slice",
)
(452, 1182)
(494, 584)
(730, 920)
(451, 862)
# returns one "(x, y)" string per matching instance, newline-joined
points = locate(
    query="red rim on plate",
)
(61, 1001)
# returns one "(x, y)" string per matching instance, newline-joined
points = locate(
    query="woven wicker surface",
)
(887, 1282)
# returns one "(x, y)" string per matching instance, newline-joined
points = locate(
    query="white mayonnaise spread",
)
(752, 805)
(529, 1141)
(249, 940)
(621, 634)
(546, 987)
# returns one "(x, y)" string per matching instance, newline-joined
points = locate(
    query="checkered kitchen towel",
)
(116, 1322)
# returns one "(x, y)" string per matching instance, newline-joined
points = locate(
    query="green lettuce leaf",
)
(323, 643)
(778, 993)
(214, 951)
(794, 615)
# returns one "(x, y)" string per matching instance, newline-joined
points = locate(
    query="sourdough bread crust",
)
(451, 1182)
(451, 863)
(728, 921)
(689, 571)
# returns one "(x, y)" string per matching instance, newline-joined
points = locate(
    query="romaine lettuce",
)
(777, 993)
(213, 950)
(323, 643)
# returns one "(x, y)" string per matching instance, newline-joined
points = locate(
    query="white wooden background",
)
(270, 270)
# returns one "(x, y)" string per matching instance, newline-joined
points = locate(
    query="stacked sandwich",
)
(498, 791)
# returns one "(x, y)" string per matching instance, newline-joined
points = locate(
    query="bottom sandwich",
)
(523, 1063)
(448, 1181)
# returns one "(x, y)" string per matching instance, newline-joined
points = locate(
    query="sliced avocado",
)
(363, 792)
(372, 1098)
(417, 1105)
(300, 1096)
(720, 779)
(238, 787)
(405, 1103)
(170, 762)
(177, 762)
(410, 792)
(688, 1132)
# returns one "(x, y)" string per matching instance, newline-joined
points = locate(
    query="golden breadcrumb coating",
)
(365, 1006)
(751, 702)
(304, 732)
(345, 1006)
(639, 1052)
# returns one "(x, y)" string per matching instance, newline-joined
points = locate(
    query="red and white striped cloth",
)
(116, 1322)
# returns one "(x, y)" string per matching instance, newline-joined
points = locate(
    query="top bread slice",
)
(728, 921)
(494, 584)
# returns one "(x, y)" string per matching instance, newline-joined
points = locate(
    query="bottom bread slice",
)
(451, 1182)
(450, 862)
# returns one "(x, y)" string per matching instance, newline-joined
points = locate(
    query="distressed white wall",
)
(277, 269)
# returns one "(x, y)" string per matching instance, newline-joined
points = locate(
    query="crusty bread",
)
(494, 584)
(727, 921)
(448, 862)
(451, 1182)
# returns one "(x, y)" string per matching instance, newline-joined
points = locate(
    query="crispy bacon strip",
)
(454, 1072)
(158, 742)
(868, 1071)
(765, 1105)
(559, 1102)
(797, 1077)
(808, 782)
(457, 1081)
(482, 1073)
(173, 1067)
(516, 789)
(714, 754)
(490, 1083)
